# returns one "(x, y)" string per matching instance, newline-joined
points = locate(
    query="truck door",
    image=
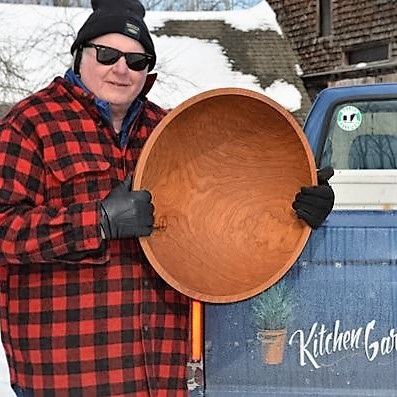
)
(336, 308)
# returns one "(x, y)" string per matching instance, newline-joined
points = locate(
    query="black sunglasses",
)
(109, 56)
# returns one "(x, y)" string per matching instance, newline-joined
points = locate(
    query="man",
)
(82, 311)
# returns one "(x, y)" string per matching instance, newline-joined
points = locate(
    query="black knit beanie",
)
(115, 16)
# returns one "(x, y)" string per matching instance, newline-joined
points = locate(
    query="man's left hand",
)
(314, 203)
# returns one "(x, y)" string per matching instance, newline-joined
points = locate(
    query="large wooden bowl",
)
(223, 169)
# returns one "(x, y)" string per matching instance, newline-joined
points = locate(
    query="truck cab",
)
(337, 305)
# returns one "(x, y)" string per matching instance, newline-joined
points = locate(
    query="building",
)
(341, 42)
(263, 53)
(250, 41)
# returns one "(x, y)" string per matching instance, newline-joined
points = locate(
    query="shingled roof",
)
(251, 51)
(262, 53)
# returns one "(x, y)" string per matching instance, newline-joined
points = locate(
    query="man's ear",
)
(77, 60)
(150, 79)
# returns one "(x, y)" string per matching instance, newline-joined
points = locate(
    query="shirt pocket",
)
(77, 178)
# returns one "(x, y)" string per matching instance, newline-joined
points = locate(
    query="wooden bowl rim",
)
(139, 173)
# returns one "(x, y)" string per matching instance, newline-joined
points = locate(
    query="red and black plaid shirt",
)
(80, 317)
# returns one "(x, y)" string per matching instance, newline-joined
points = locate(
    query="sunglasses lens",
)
(137, 61)
(107, 55)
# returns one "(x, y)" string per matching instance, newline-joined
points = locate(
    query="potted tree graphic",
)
(272, 310)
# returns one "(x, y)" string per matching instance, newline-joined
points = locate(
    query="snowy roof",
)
(194, 59)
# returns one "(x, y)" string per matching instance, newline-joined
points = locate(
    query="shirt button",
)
(145, 283)
(145, 328)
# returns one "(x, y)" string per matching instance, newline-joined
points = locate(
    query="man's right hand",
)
(126, 213)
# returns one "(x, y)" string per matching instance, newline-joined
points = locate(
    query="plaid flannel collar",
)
(104, 107)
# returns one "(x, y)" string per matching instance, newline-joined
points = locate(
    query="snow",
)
(259, 17)
(185, 66)
(176, 82)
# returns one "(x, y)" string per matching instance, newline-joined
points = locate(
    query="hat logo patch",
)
(132, 30)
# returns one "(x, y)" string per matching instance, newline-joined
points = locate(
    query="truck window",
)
(362, 135)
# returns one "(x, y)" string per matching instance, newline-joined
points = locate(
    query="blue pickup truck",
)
(336, 308)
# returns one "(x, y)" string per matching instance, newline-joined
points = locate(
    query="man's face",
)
(115, 83)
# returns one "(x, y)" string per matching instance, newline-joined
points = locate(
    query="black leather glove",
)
(126, 213)
(314, 203)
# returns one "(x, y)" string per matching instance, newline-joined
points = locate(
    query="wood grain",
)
(223, 169)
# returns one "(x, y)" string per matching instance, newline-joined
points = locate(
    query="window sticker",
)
(349, 118)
